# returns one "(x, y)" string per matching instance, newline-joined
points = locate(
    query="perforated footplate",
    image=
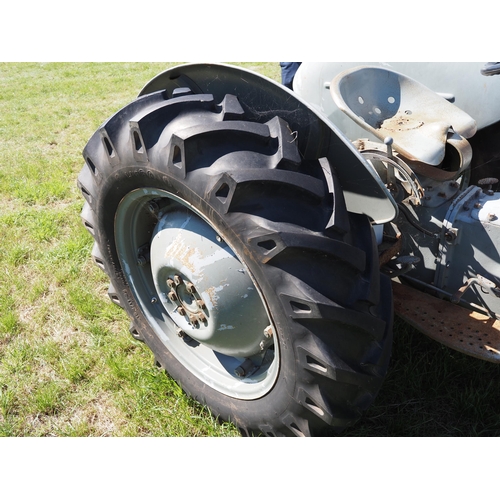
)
(454, 326)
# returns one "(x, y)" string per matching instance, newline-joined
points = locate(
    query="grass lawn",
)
(68, 365)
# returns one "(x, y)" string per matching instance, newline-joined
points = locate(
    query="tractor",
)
(261, 239)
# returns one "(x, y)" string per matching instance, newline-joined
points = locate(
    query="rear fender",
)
(262, 99)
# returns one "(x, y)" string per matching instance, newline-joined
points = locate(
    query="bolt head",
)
(172, 296)
(177, 279)
(268, 332)
(181, 311)
(190, 288)
(170, 283)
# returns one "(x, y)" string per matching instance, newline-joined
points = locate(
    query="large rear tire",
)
(238, 263)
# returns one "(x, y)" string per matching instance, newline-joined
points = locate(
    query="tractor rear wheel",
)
(238, 263)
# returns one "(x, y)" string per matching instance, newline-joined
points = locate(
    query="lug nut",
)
(202, 317)
(181, 311)
(172, 296)
(190, 288)
(268, 332)
(193, 320)
(177, 279)
(244, 369)
(180, 332)
(170, 283)
(201, 303)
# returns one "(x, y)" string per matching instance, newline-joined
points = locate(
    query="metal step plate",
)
(454, 326)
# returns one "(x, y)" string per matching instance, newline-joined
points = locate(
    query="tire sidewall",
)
(245, 413)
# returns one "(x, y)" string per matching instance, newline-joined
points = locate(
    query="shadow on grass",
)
(431, 390)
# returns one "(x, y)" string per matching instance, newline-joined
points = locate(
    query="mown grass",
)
(68, 365)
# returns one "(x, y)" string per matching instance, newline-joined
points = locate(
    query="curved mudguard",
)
(262, 98)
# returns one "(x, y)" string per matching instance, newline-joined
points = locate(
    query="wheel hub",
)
(196, 294)
(189, 303)
(204, 288)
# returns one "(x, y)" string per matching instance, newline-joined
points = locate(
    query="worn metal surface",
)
(465, 331)
(389, 104)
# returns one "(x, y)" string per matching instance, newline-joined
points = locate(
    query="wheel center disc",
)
(204, 287)
(196, 294)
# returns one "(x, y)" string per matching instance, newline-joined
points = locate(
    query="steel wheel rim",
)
(155, 246)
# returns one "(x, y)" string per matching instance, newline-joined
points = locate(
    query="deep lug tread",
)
(310, 242)
(98, 257)
(245, 185)
(288, 156)
(316, 264)
(339, 219)
(113, 296)
(231, 108)
(87, 184)
(87, 217)
(314, 401)
(135, 333)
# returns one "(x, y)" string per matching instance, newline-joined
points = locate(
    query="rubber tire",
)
(315, 264)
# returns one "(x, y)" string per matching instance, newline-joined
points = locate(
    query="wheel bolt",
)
(153, 207)
(244, 369)
(190, 288)
(172, 296)
(181, 311)
(170, 283)
(202, 317)
(201, 303)
(193, 319)
(177, 279)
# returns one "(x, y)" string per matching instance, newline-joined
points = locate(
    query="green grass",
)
(68, 365)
